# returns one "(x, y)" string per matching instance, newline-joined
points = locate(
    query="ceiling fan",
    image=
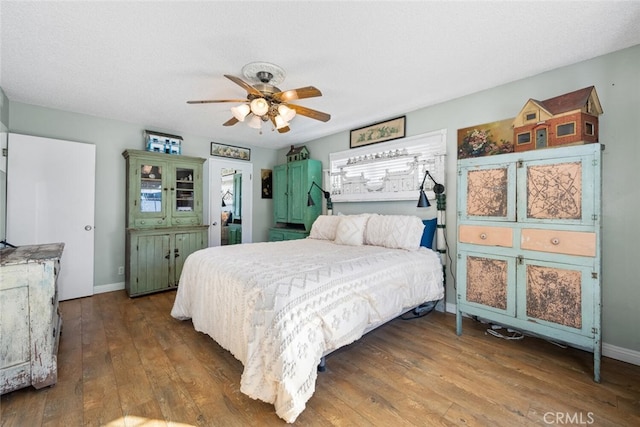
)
(265, 102)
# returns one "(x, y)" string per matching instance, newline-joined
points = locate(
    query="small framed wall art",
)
(230, 151)
(378, 132)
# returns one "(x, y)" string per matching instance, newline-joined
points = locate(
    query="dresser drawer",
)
(486, 235)
(557, 241)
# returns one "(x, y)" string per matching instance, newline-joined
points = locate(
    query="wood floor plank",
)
(127, 362)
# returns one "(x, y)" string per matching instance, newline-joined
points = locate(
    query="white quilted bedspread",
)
(279, 306)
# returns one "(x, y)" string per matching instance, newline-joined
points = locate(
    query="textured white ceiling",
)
(141, 61)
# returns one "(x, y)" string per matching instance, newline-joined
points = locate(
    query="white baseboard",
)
(608, 350)
(110, 287)
(622, 354)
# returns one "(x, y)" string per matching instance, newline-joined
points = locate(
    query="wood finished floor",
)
(127, 362)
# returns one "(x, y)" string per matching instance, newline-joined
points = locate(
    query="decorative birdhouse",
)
(568, 119)
(297, 153)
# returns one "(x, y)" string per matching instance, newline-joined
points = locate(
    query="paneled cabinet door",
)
(157, 257)
(280, 194)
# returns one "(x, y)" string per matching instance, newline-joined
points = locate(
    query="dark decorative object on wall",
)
(378, 132)
(486, 139)
(267, 183)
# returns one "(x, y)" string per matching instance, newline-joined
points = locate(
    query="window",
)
(589, 128)
(566, 129)
(530, 116)
(524, 138)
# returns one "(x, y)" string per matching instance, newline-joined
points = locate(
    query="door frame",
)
(212, 185)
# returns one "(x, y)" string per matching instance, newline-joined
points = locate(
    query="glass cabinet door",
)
(185, 190)
(150, 204)
(150, 188)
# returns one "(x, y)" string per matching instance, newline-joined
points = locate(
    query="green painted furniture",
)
(163, 190)
(155, 257)
(164, 218)
(278, 234)
(291, 182)
(529, 227)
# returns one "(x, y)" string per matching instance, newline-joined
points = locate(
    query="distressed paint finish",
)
(554, 191)
(29, 319)
(555, 295)
(487, 192)
(487, 282)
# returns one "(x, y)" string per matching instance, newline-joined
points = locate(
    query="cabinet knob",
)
(88, 227)
(483, 236)
(555, 241)
(214, 223)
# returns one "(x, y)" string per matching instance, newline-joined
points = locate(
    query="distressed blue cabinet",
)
(529, 243)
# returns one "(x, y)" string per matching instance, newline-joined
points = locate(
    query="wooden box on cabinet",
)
(291, 183)
(529, 243)
(155, 257)
(30, 322)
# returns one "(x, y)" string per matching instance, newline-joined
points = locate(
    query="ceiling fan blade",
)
(300, 93)
(208, 101)
(314, 114)
(232, 121)
(246, 86)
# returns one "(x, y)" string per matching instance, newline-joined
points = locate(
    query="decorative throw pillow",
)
(350, 230)
(428, 232)
(324, 227)
(394, 231)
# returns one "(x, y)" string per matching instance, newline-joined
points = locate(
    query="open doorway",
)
(228, 201)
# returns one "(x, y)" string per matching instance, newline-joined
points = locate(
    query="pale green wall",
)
(615, 77)
(617, 82)
(111, 138)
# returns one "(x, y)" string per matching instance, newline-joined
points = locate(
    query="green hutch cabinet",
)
(291, 182)
(163, 218)
(529, 243)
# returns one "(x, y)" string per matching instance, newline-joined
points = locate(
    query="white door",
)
(51, 198)
(218, 174)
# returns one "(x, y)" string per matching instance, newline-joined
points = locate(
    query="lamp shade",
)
(240, 111)
(280, 122)
(255, 122)
(286, 112)
(259, 106)
(423, 202)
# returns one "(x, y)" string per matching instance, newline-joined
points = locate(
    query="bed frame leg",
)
(322, 366)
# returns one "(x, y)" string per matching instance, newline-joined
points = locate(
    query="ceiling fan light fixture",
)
(240, 112)
(259, 106)
(286, 112)
(280, 122)
(255, 122)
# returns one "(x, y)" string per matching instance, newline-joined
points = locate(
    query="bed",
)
(279, 307)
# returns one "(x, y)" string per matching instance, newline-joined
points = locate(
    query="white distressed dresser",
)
(30, 322)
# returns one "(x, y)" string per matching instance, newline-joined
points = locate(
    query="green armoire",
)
(291, 184)
(529, 227)
(163, 218)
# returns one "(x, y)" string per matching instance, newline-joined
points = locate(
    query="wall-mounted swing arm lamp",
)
(327, 196)
(438, 189)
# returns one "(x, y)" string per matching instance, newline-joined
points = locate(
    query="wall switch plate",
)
(120, 271)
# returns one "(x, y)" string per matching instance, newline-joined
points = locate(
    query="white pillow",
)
(324, 227)
(394, 231)
(350, 230)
